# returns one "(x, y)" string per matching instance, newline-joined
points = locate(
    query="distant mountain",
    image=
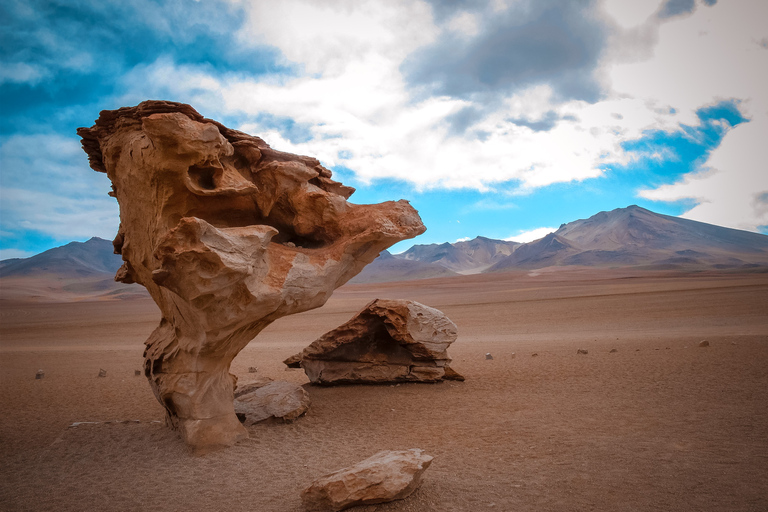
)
(76, 271)
(391, 268)
(76, 259)
(624, 237)
(466, 257)
(634, 236)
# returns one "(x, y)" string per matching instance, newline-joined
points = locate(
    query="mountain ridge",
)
(624, 237)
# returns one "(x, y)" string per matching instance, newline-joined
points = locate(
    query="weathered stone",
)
(613, 350)
(102, 372)
(387, 476)
(488, 356)
(227, 235)
(388, 341)
(40, 374)
(582, 351)
(261, 400)
(704, 343)
(252, 369)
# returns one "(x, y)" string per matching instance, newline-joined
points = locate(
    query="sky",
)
(498, 118)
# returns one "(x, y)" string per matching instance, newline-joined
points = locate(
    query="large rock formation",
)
(387, 476)
(388, 341)
(227, 235)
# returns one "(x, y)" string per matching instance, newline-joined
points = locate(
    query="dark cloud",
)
(557, 42)
(546, 123)
(677, 7)
(710, 3)
(463, 119)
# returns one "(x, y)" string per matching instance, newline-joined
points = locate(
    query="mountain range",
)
(625, 237)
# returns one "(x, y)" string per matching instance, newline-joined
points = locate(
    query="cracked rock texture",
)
(387, 476)
(388, 341)
(265, 399)
(227, 235)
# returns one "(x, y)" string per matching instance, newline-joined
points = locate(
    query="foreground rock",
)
(388, 341)
(387, 476)
(267, 399)
(227, 235)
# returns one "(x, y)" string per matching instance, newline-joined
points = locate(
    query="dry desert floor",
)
(660, 424)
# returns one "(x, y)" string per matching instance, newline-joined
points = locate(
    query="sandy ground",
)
(662, 424)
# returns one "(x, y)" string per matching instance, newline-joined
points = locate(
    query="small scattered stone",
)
(704, 343)
(102, 372)
(534, 354)
(582, 351)
(40, 374)
(512, 355)
(387, 476)
(252, 369)
(614, 350)
(488, 356)
(136, 373)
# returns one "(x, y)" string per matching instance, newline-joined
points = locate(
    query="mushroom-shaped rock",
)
(388, 341)
(387, 476)
(227, 235)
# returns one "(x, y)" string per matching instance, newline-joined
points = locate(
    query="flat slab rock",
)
(387, 476)
(264, 399)
(388, 341)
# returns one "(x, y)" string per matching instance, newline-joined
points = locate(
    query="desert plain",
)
(659, 424)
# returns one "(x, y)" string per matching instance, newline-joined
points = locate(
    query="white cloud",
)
(6, 254)
(531, 235)
(362, 114)
(21, 73)
(714, 55)
(48, 187)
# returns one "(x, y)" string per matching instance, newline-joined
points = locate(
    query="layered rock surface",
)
(387, 476)
(388, 341)
(227, 235)
(265, 399)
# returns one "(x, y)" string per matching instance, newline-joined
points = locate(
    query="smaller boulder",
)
(582, 351)
(136, 373)
(488, 356)
(40, 374)
(387, 476)
(704, 343)
(264, 399)
(614, 350)
(252, 369)
(102, 372)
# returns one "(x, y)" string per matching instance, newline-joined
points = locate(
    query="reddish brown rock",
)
(227, 235)
(388, 341)
(387, 476)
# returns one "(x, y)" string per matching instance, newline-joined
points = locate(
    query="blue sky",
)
(500, 118)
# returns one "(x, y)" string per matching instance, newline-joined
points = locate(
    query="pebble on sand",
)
(136, 373)
(582, 351)
(102, 372)
(704, 343)
(252, 369)
(488, 356)
(40, 374)
(614, 350)
(534, 354)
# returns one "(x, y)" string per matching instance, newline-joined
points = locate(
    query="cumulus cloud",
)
(695, 64)
(530, 235)
(49, 193)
